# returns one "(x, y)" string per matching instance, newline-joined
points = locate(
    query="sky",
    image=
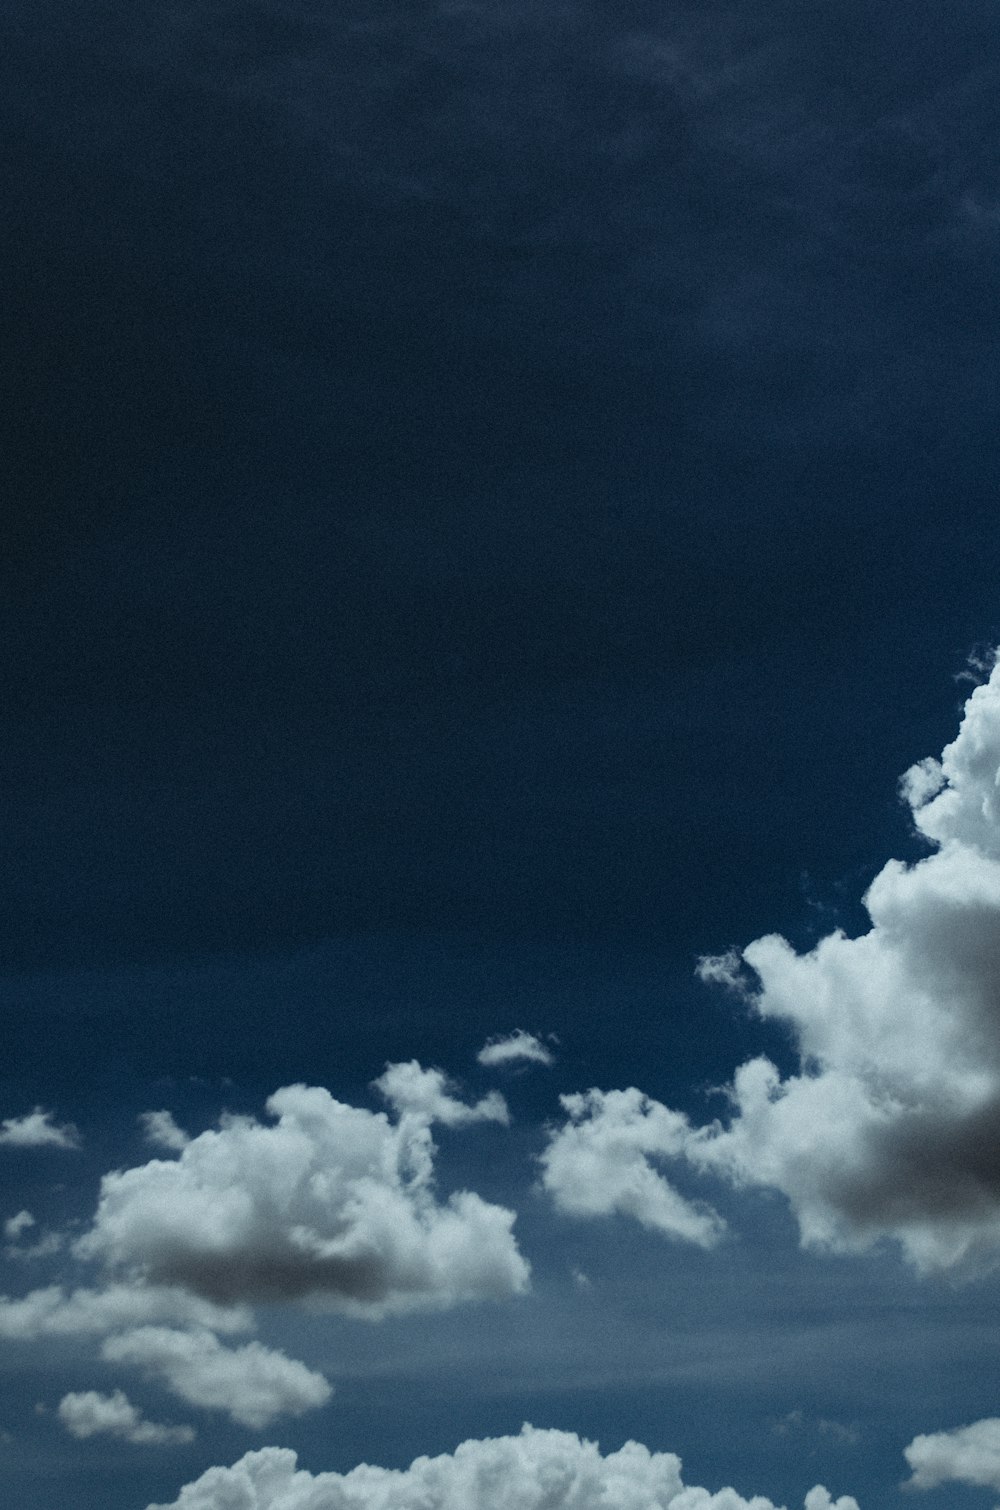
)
(500, 922)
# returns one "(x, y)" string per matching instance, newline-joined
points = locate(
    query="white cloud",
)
(15, 1226)
(601, 1161)
(37, 1130)
(537, 1470)
(90, 1414)
(329, 1204)
(332, 1202)
(252, 1383)
(968, 1455)
(426, 1094)
(162, 1131)
(518, 1047)
(57, 1312)
(891, 1125)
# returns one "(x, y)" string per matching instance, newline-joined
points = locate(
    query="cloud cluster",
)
(537, 1470)
(891, 1126)
(519, 1047)
(968, 1455)
(603, 1161)
(37, 1130)
(326, 1203)
(90, 1414)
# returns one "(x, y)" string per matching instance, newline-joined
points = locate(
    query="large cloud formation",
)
(328, 1204)
(891, 1127)
(538, 1470)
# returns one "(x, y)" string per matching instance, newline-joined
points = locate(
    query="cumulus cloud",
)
(253, 1384)
(537, 1470)
(426, 1094)
(603, 1161)
(162, 1131)
(519, 1047)
(332, 1202)
(89, 1414)
(891, 1125)
(326, 1203)
(968, 1455)
(15, 1226)
(37, 1130)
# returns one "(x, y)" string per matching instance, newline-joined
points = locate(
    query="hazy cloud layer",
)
(968, 1455)
(332, 1201)
(603, 1161)
(538, 1470)
(518, 1047)
(37, 1130)
(89, 1414)
(253, 1384)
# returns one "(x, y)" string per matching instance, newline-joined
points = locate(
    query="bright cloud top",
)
(891, 1126)
(968, 1455)
(37, 1130)
(538, 1470)
(90, 1414)
(602, 1161)
(518, 1047)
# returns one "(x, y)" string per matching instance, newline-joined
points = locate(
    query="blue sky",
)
(496, 498)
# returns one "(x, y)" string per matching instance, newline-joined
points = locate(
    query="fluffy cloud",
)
(601, 1162)
(162, 1131)
(15, 1226)
(327, 1203)
(37, 1130)
(538, 1470)
(253, 1384)
(57, 1312)
(90, 1414)
(891, 1126)
(968, 1455)
(332, 1202)
(426, 1094)
(518, 1047)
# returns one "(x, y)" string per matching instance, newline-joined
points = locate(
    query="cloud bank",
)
(90, 1414)
(891, 1126)
(537, 1470)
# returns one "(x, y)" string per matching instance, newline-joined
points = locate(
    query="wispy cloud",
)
(519, 1047)
(37, 1130)
(89, 1414)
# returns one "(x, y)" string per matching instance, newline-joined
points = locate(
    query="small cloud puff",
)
(537, 1470)
(90, 1414)
(161, 1131)
(15, 1226)
(602, 1161)
(967, 1455)
(37, 1130)
(518, 1047)
(426, 1094)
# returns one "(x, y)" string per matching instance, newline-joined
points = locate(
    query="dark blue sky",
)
(495, 495)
